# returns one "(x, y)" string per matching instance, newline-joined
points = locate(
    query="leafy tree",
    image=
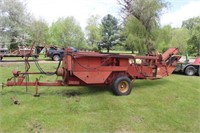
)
(13, 22)
(193, 25)
(146, 12)
(179, 39)
(93, 31)
(134, 33)
(110, 32)
(172, 37)
(164, 38)
(67, 32)
(38, 31)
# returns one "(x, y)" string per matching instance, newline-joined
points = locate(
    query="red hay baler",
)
(93, 68)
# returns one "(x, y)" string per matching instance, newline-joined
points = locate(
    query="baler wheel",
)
(122, 86)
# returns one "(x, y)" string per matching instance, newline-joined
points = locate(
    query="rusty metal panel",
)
(140, 71)
(124, 62)
(69, 63)
(168, 53)
(96, 77)
(86, 63)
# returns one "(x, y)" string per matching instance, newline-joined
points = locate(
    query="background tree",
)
(13, 22)
(134, 33)
(93, 31)
(38, 31)
(147, 12)
(110, 32)
(179, 39)
(67, 32)
(164, 37)
(193, 25)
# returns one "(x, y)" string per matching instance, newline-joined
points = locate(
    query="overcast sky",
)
(51, 10)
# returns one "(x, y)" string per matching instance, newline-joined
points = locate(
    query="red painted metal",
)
(197, 61)
(92, 68)
(22, 52)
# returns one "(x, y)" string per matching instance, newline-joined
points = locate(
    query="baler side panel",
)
(96, 77)
(95, 69)
(140, 72)
(86, 64)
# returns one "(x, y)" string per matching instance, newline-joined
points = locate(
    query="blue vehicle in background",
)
(54, 53)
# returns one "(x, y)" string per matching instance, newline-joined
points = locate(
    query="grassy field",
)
(170, 105)
(41, 57)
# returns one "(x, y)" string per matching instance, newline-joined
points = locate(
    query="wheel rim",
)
(56, 58)
(123, 86)
(190, 71)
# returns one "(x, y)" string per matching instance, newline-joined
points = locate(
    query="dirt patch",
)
(15, 101)
(138, 119)
(72, 94)
(34, 127)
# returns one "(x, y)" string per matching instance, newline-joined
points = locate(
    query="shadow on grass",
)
(179, 73)
(183, 74)
(87, 90)
(61, 91)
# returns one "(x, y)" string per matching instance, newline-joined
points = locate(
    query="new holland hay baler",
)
(93, 68)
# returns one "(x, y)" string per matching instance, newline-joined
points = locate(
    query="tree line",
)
(139, 31)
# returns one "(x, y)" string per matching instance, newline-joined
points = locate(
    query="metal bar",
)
(13, 83)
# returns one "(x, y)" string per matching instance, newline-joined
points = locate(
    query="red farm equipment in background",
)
(188, 67)
(93, 68)
(22, 51)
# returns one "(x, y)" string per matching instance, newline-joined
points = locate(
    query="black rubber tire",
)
(190, 70)
(56, 57)
(121, 86)
(1, 58)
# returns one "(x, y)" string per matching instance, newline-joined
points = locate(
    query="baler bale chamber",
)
(116, 70)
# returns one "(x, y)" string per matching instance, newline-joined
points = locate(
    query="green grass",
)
(170, 105)
(41, 57)
(117, 51)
